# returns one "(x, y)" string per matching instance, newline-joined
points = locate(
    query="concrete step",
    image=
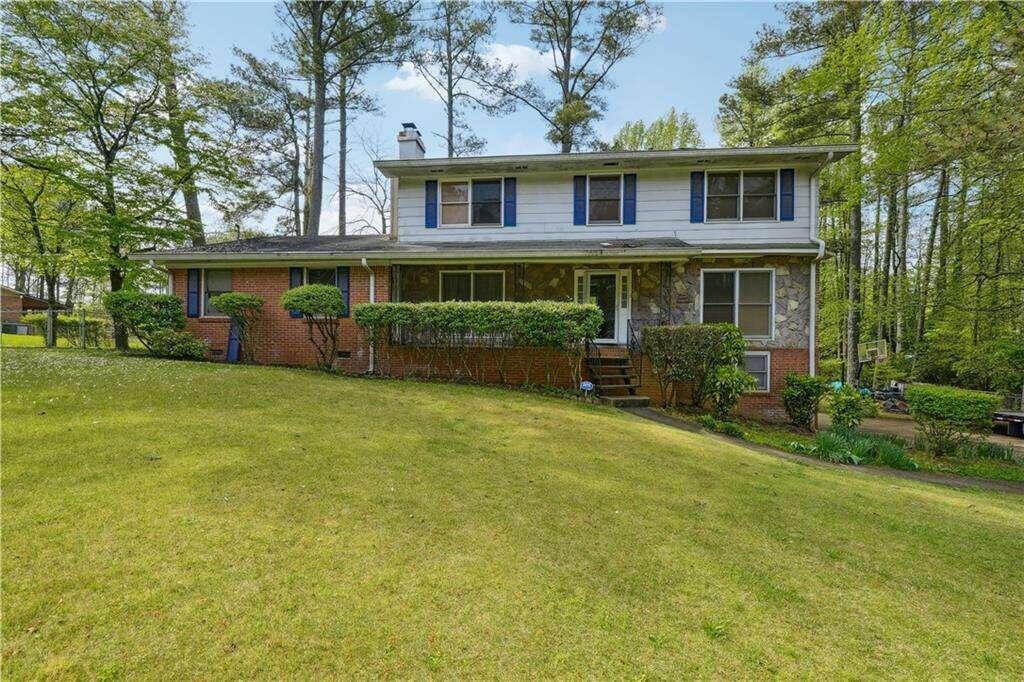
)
(625, 400)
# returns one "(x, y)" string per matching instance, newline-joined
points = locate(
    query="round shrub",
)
(730, 382)
(244, 311)
(801, 397)
(948, 417)
(847, 407)
(168, 343)
(315, 300)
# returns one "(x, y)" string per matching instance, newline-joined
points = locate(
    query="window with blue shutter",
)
(192, 297)
(787, 190)
(294, 280)
(697, 197)
(629, 199)
(579, 200)
(510, 202)
(430, 203)
(341, 278)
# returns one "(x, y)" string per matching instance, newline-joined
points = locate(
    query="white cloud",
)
(528, 62)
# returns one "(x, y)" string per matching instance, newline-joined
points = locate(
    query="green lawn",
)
(26, 341)
(165, 519)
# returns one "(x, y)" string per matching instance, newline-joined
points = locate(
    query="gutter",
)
(373, 299)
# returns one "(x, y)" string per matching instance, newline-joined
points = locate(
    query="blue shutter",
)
(430, 205)
(341, 279)
(787, 186)
(294, 280)
(629, 199)
(234, 347)
(697, 197)
(579, 200)
(510, 202)
(192, 299)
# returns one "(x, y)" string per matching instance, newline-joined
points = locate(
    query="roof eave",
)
(394, 168)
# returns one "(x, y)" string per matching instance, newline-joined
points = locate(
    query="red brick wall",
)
(10, 304)
(280, 338)
(761, 405)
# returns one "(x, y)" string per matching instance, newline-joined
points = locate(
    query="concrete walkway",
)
(949, 480)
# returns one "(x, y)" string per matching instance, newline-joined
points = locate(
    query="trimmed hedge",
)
(442, 333)
(69, 328)
(144, 314)
(948, 417)
(691, 353)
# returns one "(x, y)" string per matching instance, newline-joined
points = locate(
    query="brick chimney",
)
(410, 144)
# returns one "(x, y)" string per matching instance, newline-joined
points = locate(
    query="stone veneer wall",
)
(663, 292)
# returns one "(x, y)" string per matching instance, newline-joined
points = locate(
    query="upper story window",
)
(471, 203)
(741, 195)
(473, 285)
(604, 199)
(215, 282)
(739, 297)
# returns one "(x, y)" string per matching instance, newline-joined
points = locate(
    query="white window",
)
(471, 202)
(321, 276)
(472, 285)
(741, 195)
(215, 282)
(744, 298)
(604, 199)
(758, 365)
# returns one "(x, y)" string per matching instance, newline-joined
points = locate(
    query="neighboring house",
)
(14, 303)
(659, 237)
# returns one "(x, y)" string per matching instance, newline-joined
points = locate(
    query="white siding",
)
(544, 211)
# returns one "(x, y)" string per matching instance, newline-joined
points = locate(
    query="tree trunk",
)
(120, 333)
(926, 269)
(901, 262)
(853, 281)
(316, 161)
(50, 330)
(342, 150)
(183, 158)
(890, 235)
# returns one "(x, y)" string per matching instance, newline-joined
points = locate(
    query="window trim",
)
(622, 200)
(740, 218)
(469, 204)
(202, 293)
(736, 299)
(767, 370)
(472, 282)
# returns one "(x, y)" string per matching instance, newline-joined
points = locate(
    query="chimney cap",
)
(409, 125)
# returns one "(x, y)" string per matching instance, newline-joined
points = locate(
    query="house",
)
(14, 303)
(653, 237)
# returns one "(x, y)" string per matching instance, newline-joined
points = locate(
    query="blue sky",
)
(686, 64)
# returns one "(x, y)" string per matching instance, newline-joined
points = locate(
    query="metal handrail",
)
(636, 356)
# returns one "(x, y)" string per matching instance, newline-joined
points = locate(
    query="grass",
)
(27, 341)
(782, 437)
(167, 519)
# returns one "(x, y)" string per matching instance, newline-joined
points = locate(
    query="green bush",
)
(168, 343)
(447, 330)
(848, 408)
(834, 446)
(830, 369)
(322, 306)
(691, 353)
(730, 382)
(708, 422)
(69, 328)
(986, 450)
(244, 311)
(801, 397)
(948, 417)
(144, 314)
(731, 429)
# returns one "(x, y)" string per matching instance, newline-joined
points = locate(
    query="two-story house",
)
(656, 237)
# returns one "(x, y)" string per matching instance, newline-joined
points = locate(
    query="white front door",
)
(609, 290)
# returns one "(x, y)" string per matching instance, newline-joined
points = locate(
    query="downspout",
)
(373, 299)
(812, 341)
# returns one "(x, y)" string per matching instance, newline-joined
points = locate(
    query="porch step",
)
(625, 400)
